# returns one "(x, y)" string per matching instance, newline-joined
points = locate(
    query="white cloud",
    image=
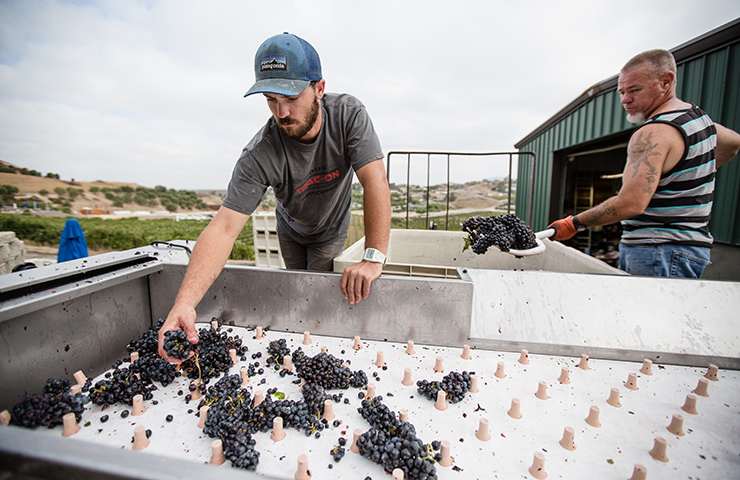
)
(151, 92)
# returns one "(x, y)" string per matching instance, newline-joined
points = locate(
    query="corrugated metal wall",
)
(711, 80)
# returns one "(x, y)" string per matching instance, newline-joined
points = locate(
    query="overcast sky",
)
(151, 92)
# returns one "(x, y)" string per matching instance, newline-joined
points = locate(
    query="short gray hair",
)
(660, 60)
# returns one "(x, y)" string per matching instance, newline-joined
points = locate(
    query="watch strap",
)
(374, 255)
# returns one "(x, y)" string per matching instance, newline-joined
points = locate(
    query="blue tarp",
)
(72, 245)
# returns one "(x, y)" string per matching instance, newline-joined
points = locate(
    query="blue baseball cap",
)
(285, 64)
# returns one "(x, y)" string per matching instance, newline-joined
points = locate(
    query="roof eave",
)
(715, 38)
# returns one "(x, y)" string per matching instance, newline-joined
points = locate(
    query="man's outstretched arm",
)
(357, 278)
(728, 144)
(211, 252)
(646, 153)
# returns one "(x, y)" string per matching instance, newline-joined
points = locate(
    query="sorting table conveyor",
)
(626, 435)
(97, 309)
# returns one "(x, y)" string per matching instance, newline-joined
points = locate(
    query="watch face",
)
(372, 255)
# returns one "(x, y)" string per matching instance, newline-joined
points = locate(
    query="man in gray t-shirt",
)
(312, 180)
(308, 152)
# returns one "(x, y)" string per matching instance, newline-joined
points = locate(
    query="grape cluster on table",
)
(327, 370)
(47, 408)
(505, 232)
(455, 384)
(233, 418)
(121, 386)
(212, 357)
(394, 444)
(276, 351)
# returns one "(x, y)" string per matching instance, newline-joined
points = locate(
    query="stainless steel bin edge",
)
(27, 454)
(427, 310)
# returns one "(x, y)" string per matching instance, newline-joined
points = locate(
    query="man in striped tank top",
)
(668, 182)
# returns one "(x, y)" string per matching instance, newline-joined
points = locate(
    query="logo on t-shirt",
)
(273, 62)
(318, 180)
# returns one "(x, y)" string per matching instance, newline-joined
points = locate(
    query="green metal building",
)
(581, 150)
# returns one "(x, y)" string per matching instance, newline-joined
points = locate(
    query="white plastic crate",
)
(266, 245)
(438, 253)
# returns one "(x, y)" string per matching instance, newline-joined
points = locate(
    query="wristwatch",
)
(373, 255)
(577, 223)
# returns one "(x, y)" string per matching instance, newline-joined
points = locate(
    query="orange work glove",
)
(565, 229)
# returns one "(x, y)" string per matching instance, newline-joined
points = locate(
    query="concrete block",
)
(7, 237)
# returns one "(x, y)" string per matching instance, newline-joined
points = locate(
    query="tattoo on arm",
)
(605, 211)
(639, 155)
(651, 177)
(641, 172)
(601, 214)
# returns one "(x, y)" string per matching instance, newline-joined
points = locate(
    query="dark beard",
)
(313, 114)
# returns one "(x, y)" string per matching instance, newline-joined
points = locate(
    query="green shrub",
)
(33, 173)
(74, 192)
(119, 234)
(7, 193)
(242, 250)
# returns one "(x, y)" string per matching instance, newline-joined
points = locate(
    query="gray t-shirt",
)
(312, 182)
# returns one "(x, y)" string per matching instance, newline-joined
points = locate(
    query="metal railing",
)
(510, 155)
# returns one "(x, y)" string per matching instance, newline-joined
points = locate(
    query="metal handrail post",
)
(408, 184)
(447, 211)
(427, 216)
(508, 202)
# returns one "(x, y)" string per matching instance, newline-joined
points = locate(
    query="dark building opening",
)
(584, 177)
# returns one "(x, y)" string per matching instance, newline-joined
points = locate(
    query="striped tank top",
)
(680, 208)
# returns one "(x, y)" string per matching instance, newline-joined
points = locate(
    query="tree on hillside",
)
(25, 171)
(74, 192)
(7, 194)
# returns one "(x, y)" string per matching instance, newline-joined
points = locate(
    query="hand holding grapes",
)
(181, 317)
